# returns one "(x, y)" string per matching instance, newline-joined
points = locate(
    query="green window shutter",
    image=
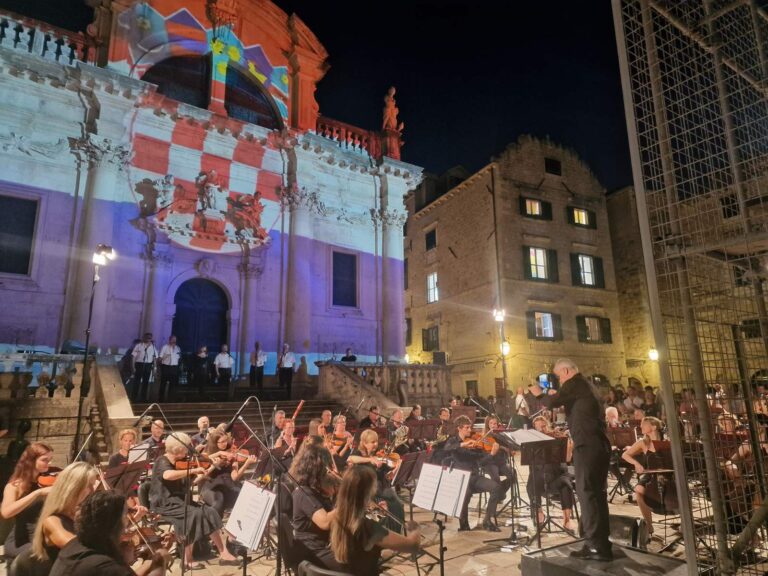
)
(557, 325)
(546, 210)
(592, 219)
(522, 206)
(575, 270)
(552, 275)
(436, 339)
(527, 263)
(605, 331)
(597, 263)
(425, 340)
(569, 215)
(581, 328)
(530, 318)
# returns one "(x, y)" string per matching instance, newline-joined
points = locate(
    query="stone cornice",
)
(453, 191)
(329, 152)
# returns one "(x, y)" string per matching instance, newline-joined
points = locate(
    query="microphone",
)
(237, 414)
(361, 403)
(143, 414)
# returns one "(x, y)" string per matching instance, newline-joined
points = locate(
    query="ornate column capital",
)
(156, 255)
(393, 218)
(250, 269)
(293, 197)
(100, 152)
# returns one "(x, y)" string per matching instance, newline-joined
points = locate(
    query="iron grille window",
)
(430, 339)
(553, 166)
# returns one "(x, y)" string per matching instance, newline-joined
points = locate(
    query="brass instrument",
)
(401, 437)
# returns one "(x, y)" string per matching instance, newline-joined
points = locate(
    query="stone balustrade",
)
(30, 36)
(40, 375)
(349, 137)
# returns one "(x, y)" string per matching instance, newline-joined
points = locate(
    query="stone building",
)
(528, 233)
(186, 135)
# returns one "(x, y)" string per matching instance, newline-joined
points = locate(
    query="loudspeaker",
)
(629, 531)
(439, 358)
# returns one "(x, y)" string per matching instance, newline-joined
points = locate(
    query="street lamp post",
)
(498, 316)
(101, 257)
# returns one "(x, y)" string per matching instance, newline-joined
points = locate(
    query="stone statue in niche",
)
(245, 214)
(166, 188)
(149, 195)
(210, 195)
(390, 112)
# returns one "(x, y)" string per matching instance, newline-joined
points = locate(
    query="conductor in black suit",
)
(591, 455)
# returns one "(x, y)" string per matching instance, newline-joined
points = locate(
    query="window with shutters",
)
(581, 217)
(593, 329)
(430, 339)
(532, 207)
(538, 263)
(587, 271)
(18, 217)
(544, 325)
(432, 288)
(535, 209)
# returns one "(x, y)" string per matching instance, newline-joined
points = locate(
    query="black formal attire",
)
(219, 491)
(20, 538)
(77, 560)
(591, 456)
(201, 372)
(116, 460)
(385, 492)
(26, 564)
(313, 540)
(366, 423)
(469, 460)
(553, 477)
(365, 553)
(350, 358)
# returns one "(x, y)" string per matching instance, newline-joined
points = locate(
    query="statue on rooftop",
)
(390, 112)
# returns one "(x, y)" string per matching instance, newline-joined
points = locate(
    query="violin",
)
(482, 442)
(391, 459)
(48, 478)
(187, 464)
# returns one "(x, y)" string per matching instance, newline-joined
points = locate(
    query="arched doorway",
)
(201, 316)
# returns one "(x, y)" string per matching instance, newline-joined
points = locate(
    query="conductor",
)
(591, 455)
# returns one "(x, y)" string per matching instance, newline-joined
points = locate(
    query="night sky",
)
(470, 75)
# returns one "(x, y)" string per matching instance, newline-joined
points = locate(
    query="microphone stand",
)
(483, 408)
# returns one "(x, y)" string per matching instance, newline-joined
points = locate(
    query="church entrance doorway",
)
(201, 317)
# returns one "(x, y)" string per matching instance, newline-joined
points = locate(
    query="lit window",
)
(432, 291)
(532, 207)
(580, 217)
(538, 263)
(544, 325)
(586, 270)
(592, 329)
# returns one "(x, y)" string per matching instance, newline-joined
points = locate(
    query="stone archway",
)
(202, 310)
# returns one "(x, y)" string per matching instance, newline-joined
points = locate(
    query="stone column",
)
(392, 310)
(298, 314)
(250, 269)
(104, 159)
(158, 264)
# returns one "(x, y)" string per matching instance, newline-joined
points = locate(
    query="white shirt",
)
(169, 355)
(521, 406)
(260, 357)
(288, 360)
(223, 360)
(146, 353)
(632, 403)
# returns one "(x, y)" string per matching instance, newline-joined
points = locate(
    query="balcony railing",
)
(350, 137)
(29, 36)
(40, 375)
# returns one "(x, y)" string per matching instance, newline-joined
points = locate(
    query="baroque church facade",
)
(186, 135)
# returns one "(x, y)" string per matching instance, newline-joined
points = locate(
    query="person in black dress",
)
(591, 455)
(22, 497)
(357, 541)
(168, 498)
(96, 549)
(222, 480)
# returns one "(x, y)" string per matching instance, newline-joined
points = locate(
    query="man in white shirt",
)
(286, 365)
(144, 357)
(223, 365)
(632, 401)
(258, 359)
(170, 355)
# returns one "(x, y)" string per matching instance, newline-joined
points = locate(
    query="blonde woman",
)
(356, 541)
(168, 494)
(127, 439)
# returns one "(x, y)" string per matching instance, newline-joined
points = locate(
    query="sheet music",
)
(138, 453)
(250, 514)
(523, 436)
(426, 488)
(453, 488)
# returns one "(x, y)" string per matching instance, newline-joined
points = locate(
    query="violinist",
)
(168, 496)
(154, 443)
(341, 441)
(314, 427)
(286, 444)
(357, 541)
(222, 485)
(201, 438)
(313, 504)
(95, 551)
(553, 477)
(644, 450)
(496, 465)
(22, 497)
(612, 418)
(462, 451)
(365, 455)
(277, 427)
(127, 439)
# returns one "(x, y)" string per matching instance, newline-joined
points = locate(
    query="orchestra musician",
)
(612, 418)
(222, 480)
(23, 498)
(56, 524)
(396, 423)
(365, 455)
(340, 442)
(168, 497)
(462, 451)
(277, 427)
(357, 541)
(156, 439)
(127, 439)
(371, 420)
(496, 465)
(287, 444)
(591, 455)
(415, 415)
(326, 419)
(313, 504)
(95, 551)
(553, 477)
(644, 449)
(200, 439)
(314, 427)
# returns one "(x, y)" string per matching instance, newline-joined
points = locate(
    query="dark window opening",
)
(405, 274)
(246, 101)
(344, 279)
(751, 328)
(17, 230)
(183, 78)
(730, 206)
(552, 166)
(408, 332)
(431, 239)
(430, 339)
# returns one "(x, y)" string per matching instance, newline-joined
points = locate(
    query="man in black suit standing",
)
(591, 455)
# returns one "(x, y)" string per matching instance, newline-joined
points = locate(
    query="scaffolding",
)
(695, 80)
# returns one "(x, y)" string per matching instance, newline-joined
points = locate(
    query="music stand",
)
(620, 438)
(409, 469)
(468, 411)
(123, 479)
(423, 429)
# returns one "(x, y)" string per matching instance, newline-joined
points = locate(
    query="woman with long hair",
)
(357, 541)
(127, 439)
(313, 503)
(96, 549)
(23, 499)
(168, 497)
(644, 449)
(221, 486)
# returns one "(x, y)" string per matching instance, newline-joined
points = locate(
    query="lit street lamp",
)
(653, 354)
(101, 257)
(498, 316)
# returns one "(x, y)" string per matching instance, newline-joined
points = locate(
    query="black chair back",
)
(306, 568)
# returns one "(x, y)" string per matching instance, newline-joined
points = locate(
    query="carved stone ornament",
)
(20, 144)
(394, 218)
(99, 151)
(206, 267)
